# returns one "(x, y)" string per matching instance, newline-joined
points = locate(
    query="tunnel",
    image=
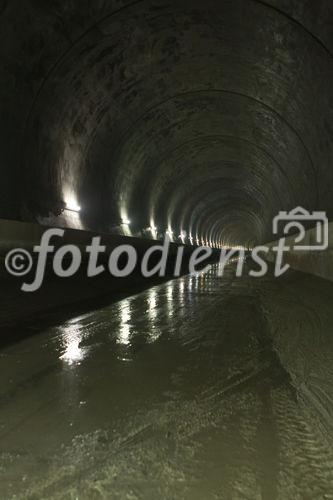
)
(131, 123)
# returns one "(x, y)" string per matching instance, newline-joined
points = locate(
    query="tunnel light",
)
(126, 222)
(73, 207)
(169, 232)
(182, 237)
(152, 229)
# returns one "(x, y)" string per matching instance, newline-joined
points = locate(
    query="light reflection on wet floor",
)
(176, 392)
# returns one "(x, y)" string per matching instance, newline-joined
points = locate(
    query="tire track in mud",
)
(306, 457)
(269, 447)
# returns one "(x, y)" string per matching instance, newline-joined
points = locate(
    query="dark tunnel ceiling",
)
(205, 117)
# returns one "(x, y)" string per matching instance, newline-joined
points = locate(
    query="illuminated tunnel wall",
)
(201, 118)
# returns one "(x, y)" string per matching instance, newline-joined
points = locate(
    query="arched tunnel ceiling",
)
(203, 117)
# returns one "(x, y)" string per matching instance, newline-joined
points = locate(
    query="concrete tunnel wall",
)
(202, 117)
(319, 263)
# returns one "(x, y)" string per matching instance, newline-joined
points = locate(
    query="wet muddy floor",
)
(193, 389)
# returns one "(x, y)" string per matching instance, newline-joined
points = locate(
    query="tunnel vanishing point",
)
(200, 121)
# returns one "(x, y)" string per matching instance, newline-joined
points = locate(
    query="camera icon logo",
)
(295, 219)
